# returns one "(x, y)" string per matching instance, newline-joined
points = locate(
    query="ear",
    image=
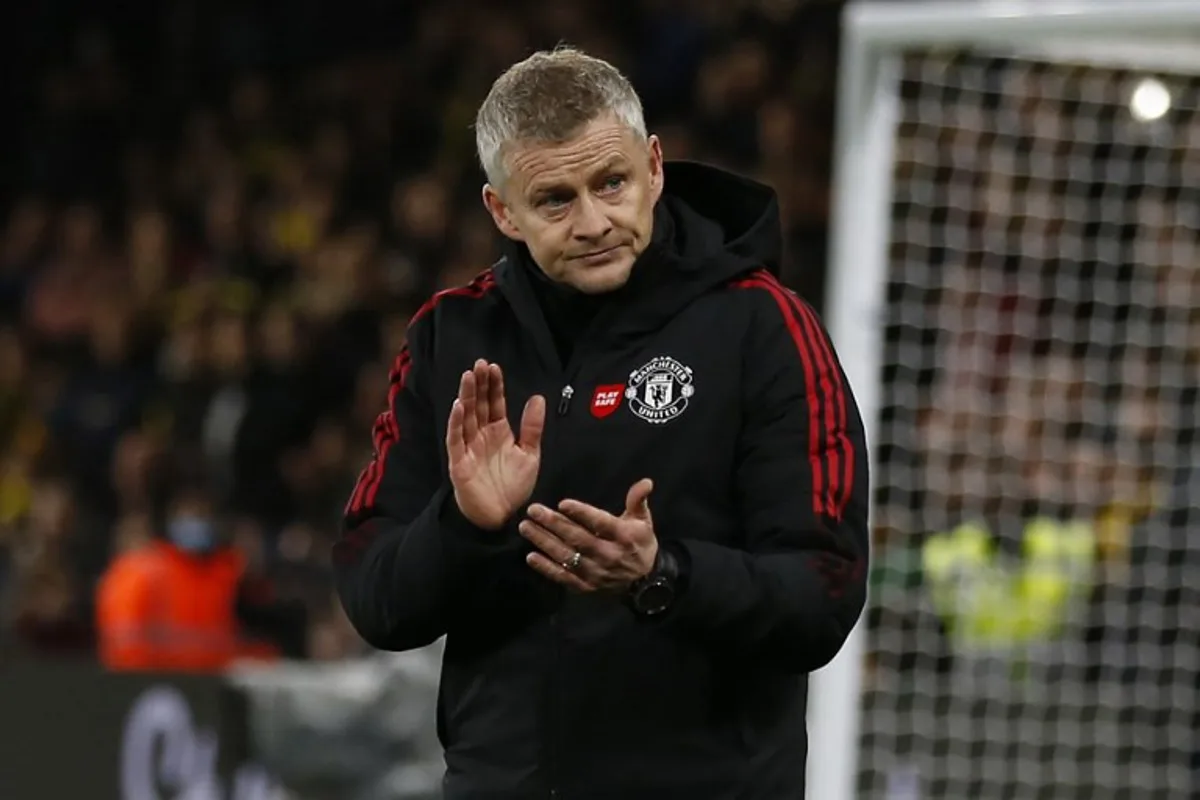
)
(496, 206)
(654, 148)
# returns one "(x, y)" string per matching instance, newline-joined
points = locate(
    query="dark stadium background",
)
(217, 217)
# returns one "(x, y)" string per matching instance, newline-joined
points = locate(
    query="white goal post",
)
(878, 39)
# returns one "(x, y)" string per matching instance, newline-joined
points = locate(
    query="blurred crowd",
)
(218, 217)
(1037, 559)
(1043, 354)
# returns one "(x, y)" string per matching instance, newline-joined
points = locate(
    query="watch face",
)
(655, 597)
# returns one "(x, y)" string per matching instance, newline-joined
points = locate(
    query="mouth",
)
(598, 255)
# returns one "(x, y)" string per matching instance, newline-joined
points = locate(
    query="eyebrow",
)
(608, 165)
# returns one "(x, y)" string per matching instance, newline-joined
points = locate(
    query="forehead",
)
(600, 145)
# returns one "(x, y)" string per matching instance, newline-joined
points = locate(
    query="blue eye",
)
(553, 200)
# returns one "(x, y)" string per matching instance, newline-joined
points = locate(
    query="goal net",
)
(1034, 624)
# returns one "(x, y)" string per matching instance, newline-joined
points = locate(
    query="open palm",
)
(492, 471)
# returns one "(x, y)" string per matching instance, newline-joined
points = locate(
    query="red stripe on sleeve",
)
(389, 430)
(839, 439)
(384, 433)
(817, 468)
(386, 430)
(476, 288)
(364, 478)
(837, 443)
(831, 454)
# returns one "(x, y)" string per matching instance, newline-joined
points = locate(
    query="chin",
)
(599, 280)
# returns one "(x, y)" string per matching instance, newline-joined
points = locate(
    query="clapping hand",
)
(493, 473)
(588, 549)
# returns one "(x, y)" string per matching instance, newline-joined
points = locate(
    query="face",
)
(191, 527)
(584, 207)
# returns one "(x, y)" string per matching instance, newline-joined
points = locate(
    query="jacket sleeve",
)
(405, 550)
(794, 592)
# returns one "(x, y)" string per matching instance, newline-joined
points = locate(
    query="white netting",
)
(1035, 622)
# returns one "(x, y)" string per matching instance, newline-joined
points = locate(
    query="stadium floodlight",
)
(1015, 294)
(1151, 100)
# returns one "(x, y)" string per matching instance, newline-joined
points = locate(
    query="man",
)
(635, 577)
(185, 601)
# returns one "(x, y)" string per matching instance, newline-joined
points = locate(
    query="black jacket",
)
(738, 410)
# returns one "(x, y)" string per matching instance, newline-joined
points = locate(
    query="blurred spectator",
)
(184, 602)
(48, 603)
(45, 619)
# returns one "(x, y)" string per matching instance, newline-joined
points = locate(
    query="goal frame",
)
(1147, 34)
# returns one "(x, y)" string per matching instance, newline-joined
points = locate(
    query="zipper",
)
(554, 746)
(564, 400)
(554, 711)
(524, 304)
(554, 721)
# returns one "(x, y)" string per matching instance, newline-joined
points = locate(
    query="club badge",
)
(659, 391)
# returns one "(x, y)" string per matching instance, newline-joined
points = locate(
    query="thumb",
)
(637, 502)
(533, 422)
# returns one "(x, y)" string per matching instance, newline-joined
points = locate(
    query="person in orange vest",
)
(173, 603)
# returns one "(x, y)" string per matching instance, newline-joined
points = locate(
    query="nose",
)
(591, 223)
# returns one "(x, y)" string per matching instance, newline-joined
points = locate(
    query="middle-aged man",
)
(621, 471)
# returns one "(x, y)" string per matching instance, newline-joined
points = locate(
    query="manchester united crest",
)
(659, 390)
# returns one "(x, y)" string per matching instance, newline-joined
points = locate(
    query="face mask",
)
(192, 534)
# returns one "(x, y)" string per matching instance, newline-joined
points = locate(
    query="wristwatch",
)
(654, 593)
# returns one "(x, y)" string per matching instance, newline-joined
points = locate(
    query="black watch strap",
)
(666, 564)
(653, 593)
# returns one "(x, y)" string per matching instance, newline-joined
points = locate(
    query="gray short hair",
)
(547, 98)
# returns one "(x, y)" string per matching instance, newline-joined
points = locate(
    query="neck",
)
(570, 313)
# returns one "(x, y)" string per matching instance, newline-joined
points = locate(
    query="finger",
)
(598, 521)
(594, 552)
(575, 536)
(483, 381)
(554, 547)
(637, 502)
(497, 410)
(456, 447)
(557, 573)
(467, 394)
(533, 423)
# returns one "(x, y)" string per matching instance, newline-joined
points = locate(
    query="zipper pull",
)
(564, 400)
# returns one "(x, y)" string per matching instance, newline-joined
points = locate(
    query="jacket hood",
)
(710, 226)
(722, 220)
